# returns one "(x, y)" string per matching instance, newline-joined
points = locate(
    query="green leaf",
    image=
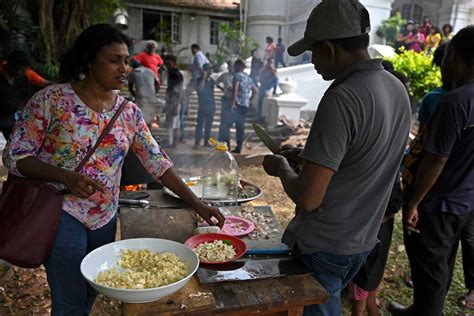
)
(227, 242)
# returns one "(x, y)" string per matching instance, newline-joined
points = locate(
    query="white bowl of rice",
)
(139, 270)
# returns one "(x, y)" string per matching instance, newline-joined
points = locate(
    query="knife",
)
(134, 202)
(266, 139)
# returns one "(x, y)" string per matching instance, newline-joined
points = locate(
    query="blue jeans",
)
(262, 91)
(226, 120)
(206, 110)
(238, 117)
(333, 272)
(70, 292)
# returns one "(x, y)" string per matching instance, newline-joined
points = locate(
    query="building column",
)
(266, 18)
(379, 10)
(458, 13)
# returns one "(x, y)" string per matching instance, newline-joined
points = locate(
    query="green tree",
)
(233, 43)
(390, 28)
(53, 25)
(418, 67)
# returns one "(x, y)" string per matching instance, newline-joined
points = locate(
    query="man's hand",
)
(410, 219)
(273, 164)
(207, 213)
(81, 185)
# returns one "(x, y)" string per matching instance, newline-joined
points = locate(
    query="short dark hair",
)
(19, 58)
(352, 43)
(239, 65)
(172, 58)
(85, 48)
(438, 54)
(449, 26)
(269, 38)
(195, 46)
(463, 45)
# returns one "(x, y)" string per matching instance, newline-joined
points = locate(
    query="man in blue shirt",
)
(197, 74)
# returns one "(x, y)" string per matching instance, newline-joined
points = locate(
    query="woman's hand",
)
(207, 213)
(81, 185)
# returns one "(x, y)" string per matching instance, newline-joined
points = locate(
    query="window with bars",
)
(214, 32)
(162, 26)
(412, 12)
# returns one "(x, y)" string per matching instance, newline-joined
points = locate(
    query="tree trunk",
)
(48, 34)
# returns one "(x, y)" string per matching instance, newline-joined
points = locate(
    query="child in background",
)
(416, 41)
(173, 100)
(433, 40)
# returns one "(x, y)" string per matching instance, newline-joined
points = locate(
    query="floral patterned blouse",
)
(59, 129)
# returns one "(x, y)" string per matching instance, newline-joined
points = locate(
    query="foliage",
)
(233, 43)
(418, 67)
(47, 28)
(390, 28)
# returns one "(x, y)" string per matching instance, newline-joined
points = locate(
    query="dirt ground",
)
(25, 291)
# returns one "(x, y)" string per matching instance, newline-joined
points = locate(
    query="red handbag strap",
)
(102, 135)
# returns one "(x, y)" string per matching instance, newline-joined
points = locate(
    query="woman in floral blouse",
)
(58, 127)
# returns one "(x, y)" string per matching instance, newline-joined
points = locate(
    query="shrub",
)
(423, 76)
(390, 28)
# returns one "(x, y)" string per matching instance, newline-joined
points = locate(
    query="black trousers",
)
(432, 255)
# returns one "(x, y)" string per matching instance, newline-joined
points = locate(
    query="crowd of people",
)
(356, 170)
(423, 38)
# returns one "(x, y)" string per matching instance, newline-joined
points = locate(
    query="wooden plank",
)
(185, 300)
(301, 290)
(173, 224)
(225, 297)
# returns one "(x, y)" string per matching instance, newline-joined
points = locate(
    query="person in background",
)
(352, 155)
(242, 89)
(162, 71)
(426, 26)
(279, 53)
(432, 40)
(224, 83)
(57, 127)
(416, 41)
(151, 60)
(36, 79)
(173, 101)
(431, 101)
(438, 177)
(141, 84)
(15, 89)
(405, 35)
(269, 49)
(447, 33)
(255, 67)
(429, 105)
(211, 62)
(206, 108)
(268, 80)
(197, 74)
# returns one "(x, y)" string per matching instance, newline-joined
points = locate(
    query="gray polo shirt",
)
(360, 131)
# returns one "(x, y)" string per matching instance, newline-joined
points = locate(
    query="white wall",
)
(311, 85)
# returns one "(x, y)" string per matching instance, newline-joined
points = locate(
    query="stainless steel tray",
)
(248, 193)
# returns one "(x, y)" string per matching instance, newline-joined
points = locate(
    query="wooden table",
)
(168, 219)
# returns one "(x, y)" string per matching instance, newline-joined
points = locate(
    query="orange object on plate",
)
(238, 244)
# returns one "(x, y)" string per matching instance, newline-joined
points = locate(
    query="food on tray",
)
(206, 230)
(264, 228)
(216, 251)
(191, 183)
(143, 269)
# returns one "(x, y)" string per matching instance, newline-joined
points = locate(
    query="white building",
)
(184, 22)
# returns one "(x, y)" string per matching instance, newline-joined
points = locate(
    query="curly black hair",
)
(84, 50)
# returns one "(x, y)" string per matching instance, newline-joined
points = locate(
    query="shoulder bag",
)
(30, 212)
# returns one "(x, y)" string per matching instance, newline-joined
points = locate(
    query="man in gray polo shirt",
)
(352, 154)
